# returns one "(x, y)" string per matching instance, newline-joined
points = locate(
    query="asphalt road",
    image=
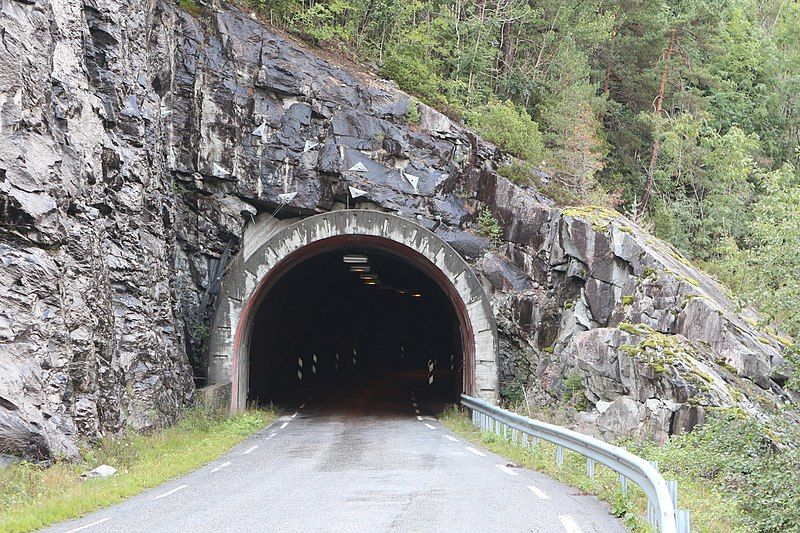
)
(356, 458)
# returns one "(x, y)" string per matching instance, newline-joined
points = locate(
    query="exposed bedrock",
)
(137, 142)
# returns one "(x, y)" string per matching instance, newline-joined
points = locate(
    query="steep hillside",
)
(138, 141)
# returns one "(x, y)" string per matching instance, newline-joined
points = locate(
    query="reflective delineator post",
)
(300, 368)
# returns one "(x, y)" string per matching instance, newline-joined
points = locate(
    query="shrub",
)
(511, 128)
(517, 172)
(489, 226)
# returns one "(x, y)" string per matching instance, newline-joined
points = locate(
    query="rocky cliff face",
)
(137, 141)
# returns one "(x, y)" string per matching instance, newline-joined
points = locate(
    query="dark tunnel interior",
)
(353, 315)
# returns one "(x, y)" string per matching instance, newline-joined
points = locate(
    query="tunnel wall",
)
(272, 247)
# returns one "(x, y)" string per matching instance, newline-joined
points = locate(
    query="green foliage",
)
(32, 496)
(509, 127)
(412, 113)
(488, 226)
(517, 171)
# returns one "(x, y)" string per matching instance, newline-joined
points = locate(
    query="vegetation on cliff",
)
(682, 114)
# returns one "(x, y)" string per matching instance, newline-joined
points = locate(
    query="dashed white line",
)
(430, 426)
(450, 437)
(294, 415)
(223, 465)
(539, 492)
(414, 404)
(173, 491)
(250, 449)
(284, 425)
(416, 411)
(419, 418)
(506, 470)
(475, 452)
(87, 526)
(569, 524)
(302, 405)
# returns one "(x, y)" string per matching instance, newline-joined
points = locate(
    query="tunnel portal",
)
(344, 295)
(352, 314)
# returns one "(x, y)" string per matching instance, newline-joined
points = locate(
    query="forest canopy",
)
(683, 114)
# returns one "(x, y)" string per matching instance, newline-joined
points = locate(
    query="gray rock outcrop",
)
(136, 143)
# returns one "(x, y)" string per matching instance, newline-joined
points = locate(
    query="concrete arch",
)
(272, 247)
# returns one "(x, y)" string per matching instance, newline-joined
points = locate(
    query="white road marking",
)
(476, 452)
(294, 415)
(569, 524)
(414, 404)
(284, 425)
(223, 465)
(430, 426)
(89, 525)
(416, 411)
(302, 405)
(506, 470)
(419, 418)
(539, 492)
(250, 449)
(450, 437)
(173, 491)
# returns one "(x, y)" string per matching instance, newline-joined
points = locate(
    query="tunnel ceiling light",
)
(368, 276)
(354, 258)
(371, 282)
(416, 294)
(360, 268)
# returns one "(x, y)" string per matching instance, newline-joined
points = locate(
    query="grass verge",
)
(710, 509)
(32, 497)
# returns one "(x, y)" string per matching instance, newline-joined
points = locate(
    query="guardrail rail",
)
(662, 495)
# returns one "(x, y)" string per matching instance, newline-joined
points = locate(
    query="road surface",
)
(366, 457)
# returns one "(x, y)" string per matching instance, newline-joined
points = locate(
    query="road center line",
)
(539, 492)
(569, 524)
(250, 449)
(506, 470)
(223, 465)
(475, 452)
(87, 526)
(173, 491)
(284, 425)
(429, 426)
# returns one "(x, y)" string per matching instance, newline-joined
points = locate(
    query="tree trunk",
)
(659, 105)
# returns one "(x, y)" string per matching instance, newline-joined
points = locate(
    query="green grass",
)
(32, 497)
(710, 509)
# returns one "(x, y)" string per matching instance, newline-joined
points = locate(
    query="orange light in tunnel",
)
(416, 294)
(368, 276)
(360, 268)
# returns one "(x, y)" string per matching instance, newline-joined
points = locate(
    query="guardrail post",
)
(682, 521)
(672, 486)
(560, 456)
(623, 484)
(652, 517)
(590, 467)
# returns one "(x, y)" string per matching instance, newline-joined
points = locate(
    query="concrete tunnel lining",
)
(272, 248)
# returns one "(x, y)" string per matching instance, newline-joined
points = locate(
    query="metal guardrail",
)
(662, 496)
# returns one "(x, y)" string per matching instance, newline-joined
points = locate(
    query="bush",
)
(489, 227)
(511, 128)
(517, 171)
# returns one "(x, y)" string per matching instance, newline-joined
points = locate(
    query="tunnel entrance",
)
(293, 306)
(349, 315)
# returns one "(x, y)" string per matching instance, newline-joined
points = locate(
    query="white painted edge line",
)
(506, 470)
(450, 437)
(476, 452)
(414, 404)
(302, 406)
(250, 449)
(429, 426)
(416, 411)
(173, 491)
(294, 415)
(539, 492)
(570, 526)
(223, 465)
(87, 526)
(284, 425)
(419, 418)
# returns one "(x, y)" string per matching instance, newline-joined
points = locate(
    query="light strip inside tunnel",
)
(353, 258)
